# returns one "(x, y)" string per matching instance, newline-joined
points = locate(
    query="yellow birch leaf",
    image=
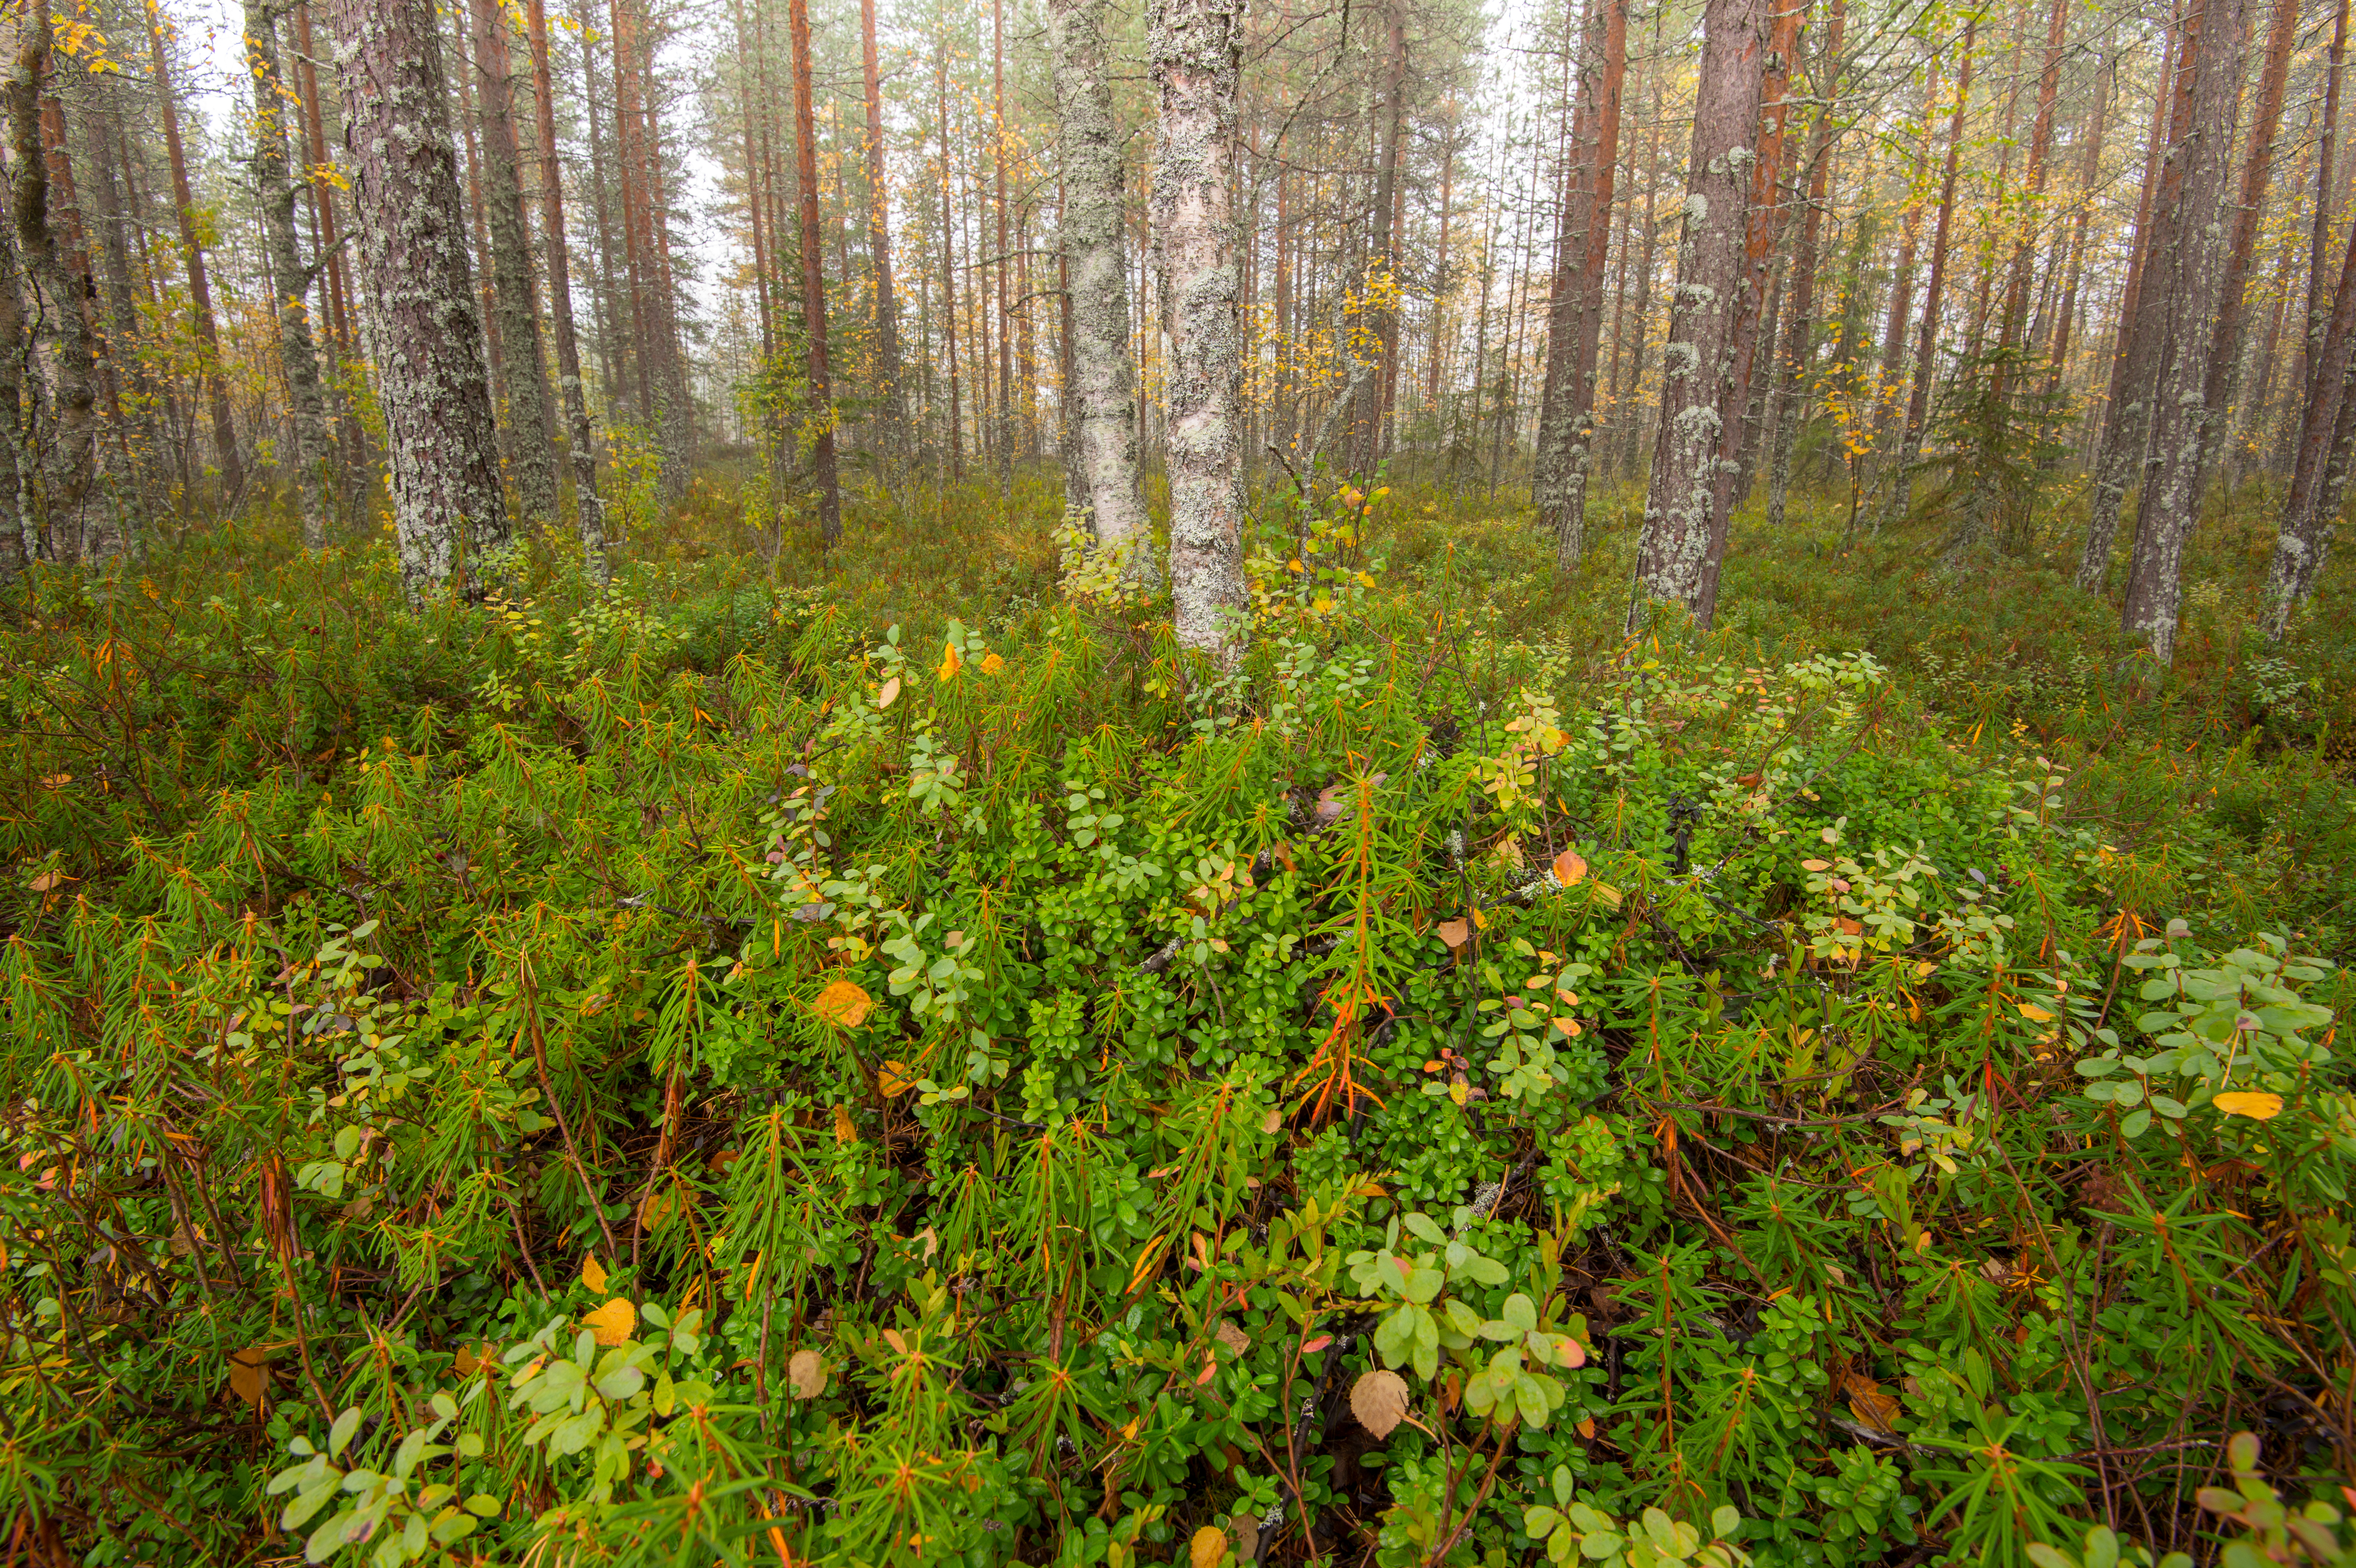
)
(249, 1376)
(612, 1323)
(2248, 1102)
(843, 1003)
(1569, 869)
(1208, 1549)
(951, 662)
(890, 694)
(894, 1078)
(592, 1273)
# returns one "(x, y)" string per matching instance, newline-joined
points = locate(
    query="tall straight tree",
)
(531, 426)
(417, 297)
(821, 385)
(273, 187)
(1102, 390)
(200, 296)
(2179, 440)
(1926, 343)
(1194, 50)
(2221, 389)
(588, 508)
(1791, 389)
(1682, 531)
(879, 239)
(1566, 416)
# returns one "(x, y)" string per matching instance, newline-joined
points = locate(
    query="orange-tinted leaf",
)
(843, 1005)
(895, 1078)
(1569, 869)
(992, 664)
(950, 661)
(1455, 933)
(2248, 1103)
(845, 1133)
(249, 1376)
(1208, 1549)
(592, 1273)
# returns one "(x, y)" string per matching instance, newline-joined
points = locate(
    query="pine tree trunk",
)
(588, 506)
(1697, 383)
(532, 430)
(2178, 442)
(19, 540)
(1799, 335)
(274, 188)
(821, 387)
(1194, 50)
(334, 296)
(201, 297)
(2143, 310)
(1600, 157)
(878, 241)
(417, 299)
(1104, 414)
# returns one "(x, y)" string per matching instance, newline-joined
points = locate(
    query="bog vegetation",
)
(879, 1060)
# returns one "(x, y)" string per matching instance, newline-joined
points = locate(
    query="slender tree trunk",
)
(2143, 312)
(2179, 443)
(2089, 173)
(1648, 255)
(2326, 188)
(1562, 503)
(19, 537)
(949, 265)
(1901, 286)
(1926, 342)
(531, 460)
(2223, 386)
(329, 248)
(1673, 560)
(1194, 55)
(417, 298)
(588, 506)
(1799, 335)
(274, 189)
(821, 389)
(1383, 268)
(200, 296)
(1104, 414)
(878, 241)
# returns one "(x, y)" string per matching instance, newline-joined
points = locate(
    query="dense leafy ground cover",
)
(876, 1060)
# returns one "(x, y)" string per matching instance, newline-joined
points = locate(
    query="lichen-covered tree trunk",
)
(75, 515)
(273, 189)
(1103, 393)
(531, 427)
(1193, 48)
(1699, 362)
(18, 541)
(588, 505)
(418, 318)
(2179, 444)
(2222, 388)
(2322, 453)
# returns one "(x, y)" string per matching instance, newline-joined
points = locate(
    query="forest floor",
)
(872, 1058)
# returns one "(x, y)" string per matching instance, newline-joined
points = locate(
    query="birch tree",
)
(273, 189)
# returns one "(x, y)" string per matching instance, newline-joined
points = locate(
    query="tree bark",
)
(1103, 416)
(2142, 317)
(1567, 497)
(588, 506)
(201, 297)
(274, 188)
(531, 458)
(879, 240)
(2178, 441)
(417, 299)
(2221, 389)
(1926, 341)
(1681, 529)
(1193, 50)
(1799, 335)
(821, 386)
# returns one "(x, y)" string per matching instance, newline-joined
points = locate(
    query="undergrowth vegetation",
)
(877, 1061)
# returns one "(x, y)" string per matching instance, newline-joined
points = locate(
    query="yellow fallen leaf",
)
(653, 1210)
(592, 1273)
(2034, 1014)
(1455, 933)
(2258, 1107)
(992, 664)
(895, 1078)
(951, 662)
(845, 1133)
(1208, 1549)
(890, 694)
(806, 1374)
(843, 1003)
(1569, 869)
(1378, 1399)
(613, 1322)
(1871, 1405)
